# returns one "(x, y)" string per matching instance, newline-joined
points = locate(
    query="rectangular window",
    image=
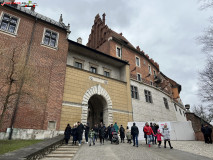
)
(78, 65)
(175, 107)
(166, 103)
(50, 38)
(144, 62)
(154, 73)
(137, 60)
(93, 69)
(138, 77)
(148, 96)
(106, 73)
(150, 70)
(151, 83)
(8, 23)
(118, 52)
(134, 92)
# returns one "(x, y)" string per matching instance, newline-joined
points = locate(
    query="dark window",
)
(8, 23)
(154, 73)
(138, 77)
(166, 103)
(151, 83)
(118, 51)
(106, 73)
(180, 112)
(78, 65)
(93, 69)
(175, 107)
(148, 96)
(134, 92)
(50, 38)
(137, 62)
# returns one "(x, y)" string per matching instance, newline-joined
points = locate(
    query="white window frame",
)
(150, 69)
(117, 52)
(140, 77)
(42, 41)
(138, 65)
(17, 26)
(154, 72)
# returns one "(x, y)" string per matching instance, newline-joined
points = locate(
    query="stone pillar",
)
(84, 114)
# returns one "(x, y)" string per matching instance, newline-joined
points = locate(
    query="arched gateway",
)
(96, 106)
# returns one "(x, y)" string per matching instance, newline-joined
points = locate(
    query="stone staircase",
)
(64, 152)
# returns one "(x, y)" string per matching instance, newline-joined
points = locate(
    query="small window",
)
(134, 92)
(144, 62)
(148, 96)
(106, 74)
(150, 70)
(180, 112)
(118, 52)
(50, 38)
(151, 83)
(93, 69)
(137, 60)
(138, 77)
(175, 107)
(154, 73)
(78, 65)
(9, 23)
(166, 103)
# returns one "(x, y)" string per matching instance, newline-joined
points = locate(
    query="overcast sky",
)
(165, 29)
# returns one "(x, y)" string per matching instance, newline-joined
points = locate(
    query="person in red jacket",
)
(149, 132)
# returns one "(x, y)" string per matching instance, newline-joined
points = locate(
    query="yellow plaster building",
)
(97, 88)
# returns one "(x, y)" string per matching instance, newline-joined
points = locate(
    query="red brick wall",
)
(45, 82)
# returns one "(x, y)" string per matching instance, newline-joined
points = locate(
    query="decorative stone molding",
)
(96, 90)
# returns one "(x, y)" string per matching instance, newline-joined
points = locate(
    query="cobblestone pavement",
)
(196, 147)
(126, 151)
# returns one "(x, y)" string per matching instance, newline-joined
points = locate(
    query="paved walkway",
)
(126, 151)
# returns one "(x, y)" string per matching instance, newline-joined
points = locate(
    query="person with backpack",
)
(166, 136)
(135, 133)
(122, 133)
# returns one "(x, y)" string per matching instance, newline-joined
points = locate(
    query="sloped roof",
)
(38, 16)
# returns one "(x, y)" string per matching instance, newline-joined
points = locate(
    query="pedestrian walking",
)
(145, 137)
(91, 137)
(86, 128)
(74, 134)
(101, 134)
(149, 132)
(80, 129)
(67, 133)
(156, 127)
(135, 133)
(166, 136)
(128, 135)
(122, 133)
(158, 135)
(112, 129)
(95, 129)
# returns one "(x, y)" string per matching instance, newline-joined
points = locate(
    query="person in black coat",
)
(80, 129)
(86, 128)
(111, 129)
(74, 134)
(207, 131)
(101, 133)
(122, 133)
(67, 133)
(95, 129)
(135, 133)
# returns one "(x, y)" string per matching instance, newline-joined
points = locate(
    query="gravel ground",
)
(196, 147)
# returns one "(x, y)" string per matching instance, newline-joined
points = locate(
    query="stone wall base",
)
(28, 134)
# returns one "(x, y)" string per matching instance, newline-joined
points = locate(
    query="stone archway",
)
(97, 91)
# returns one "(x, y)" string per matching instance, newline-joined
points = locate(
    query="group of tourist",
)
(152, 134)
